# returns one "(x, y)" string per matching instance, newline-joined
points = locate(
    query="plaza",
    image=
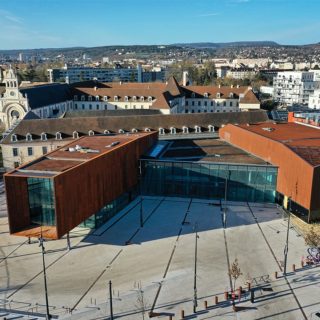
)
(156, 259)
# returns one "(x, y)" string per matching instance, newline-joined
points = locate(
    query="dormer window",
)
(14, 138)
(218, 95)
(75, 135)
(142, 98)
(97, 98)
(91, 133)
(28, 137)
(58, 136)
(90, 98)
(134, 98)
(150, 99)
(105, 98)
(126, 98)
(193, 95)
(205, 94)
(115, 98)
(231, 95)
(83, 98)
(43, 136)
(75, 97)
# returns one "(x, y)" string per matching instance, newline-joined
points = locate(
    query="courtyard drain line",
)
(151, 313)
(278, 263)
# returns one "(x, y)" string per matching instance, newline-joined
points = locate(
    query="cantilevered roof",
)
(303, 140)
(74, 154)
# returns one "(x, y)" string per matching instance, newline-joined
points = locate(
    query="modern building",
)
(52, 100)
(314, 99)
(295, 87)
(242, 73)
(33, 137)
(90, 179)
(294, 149)
(78, 74)
(311, 118)
(64, 188)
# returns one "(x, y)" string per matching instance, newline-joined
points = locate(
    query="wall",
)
(83, 191)
(290, 180)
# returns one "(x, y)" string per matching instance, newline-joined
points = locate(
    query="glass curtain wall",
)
(41, 201)
(250, 183)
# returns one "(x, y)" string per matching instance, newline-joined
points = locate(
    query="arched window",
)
(185, 129)
(83, 98)
(205, 94)
(43, 136)
(126, 98)
(147, 130)
(14, 138)
(193, 95)
(106, 132)
(197, 129)
(115, 98)
(121, 131)
(173, 130)
(91, 133)
(90, 98)
(162, 131)
(28, 137)
(142, 98)
(97, 98)
(58, 136)
(134, 130)
(134, 98)
(150, 99)
(75, 135)
(218, 95)
(210, 128)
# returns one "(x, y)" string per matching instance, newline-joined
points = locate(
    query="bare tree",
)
(141, 302)
(312, 238)
(235, 272)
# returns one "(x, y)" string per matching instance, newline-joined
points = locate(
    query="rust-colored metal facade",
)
(298, 179)
(79, 191)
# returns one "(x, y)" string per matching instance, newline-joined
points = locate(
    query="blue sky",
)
(65, 23)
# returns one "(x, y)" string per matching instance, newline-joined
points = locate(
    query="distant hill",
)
(228, 44)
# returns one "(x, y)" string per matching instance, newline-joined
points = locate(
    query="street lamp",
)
(110, 298)
(41, 240)
(195, 298)
(225, 199)
(141, 199)
(286, 248)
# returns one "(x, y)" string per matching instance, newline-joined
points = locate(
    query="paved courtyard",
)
(152, 267)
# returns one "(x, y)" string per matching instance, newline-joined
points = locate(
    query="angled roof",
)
(303, 140)
(66, 126)
(44, 95)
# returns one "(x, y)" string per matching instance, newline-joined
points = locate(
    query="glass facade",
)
(252, 183)
(41, 201)
(109, 210)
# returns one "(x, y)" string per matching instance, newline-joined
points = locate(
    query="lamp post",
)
(41, 240)
(195, 298)
(225, 199)
(286, 248)
(141, 199)
(110, 298)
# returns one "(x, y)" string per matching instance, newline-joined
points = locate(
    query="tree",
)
(141, 302)
(235, 272)
(312, 238)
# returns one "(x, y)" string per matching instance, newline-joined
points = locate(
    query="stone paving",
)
(152, 267)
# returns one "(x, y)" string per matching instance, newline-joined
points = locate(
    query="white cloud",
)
(208, 14)
(6, 15)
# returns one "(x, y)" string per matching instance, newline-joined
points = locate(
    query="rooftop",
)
(74, 154)
(209, 150)
(303, 140)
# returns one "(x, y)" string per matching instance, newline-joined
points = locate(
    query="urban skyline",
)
(44, 24)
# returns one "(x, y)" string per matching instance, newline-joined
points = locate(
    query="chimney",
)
(120, 83)
(95, 88)
(185, 78)
(231, 86)
(219, 86)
